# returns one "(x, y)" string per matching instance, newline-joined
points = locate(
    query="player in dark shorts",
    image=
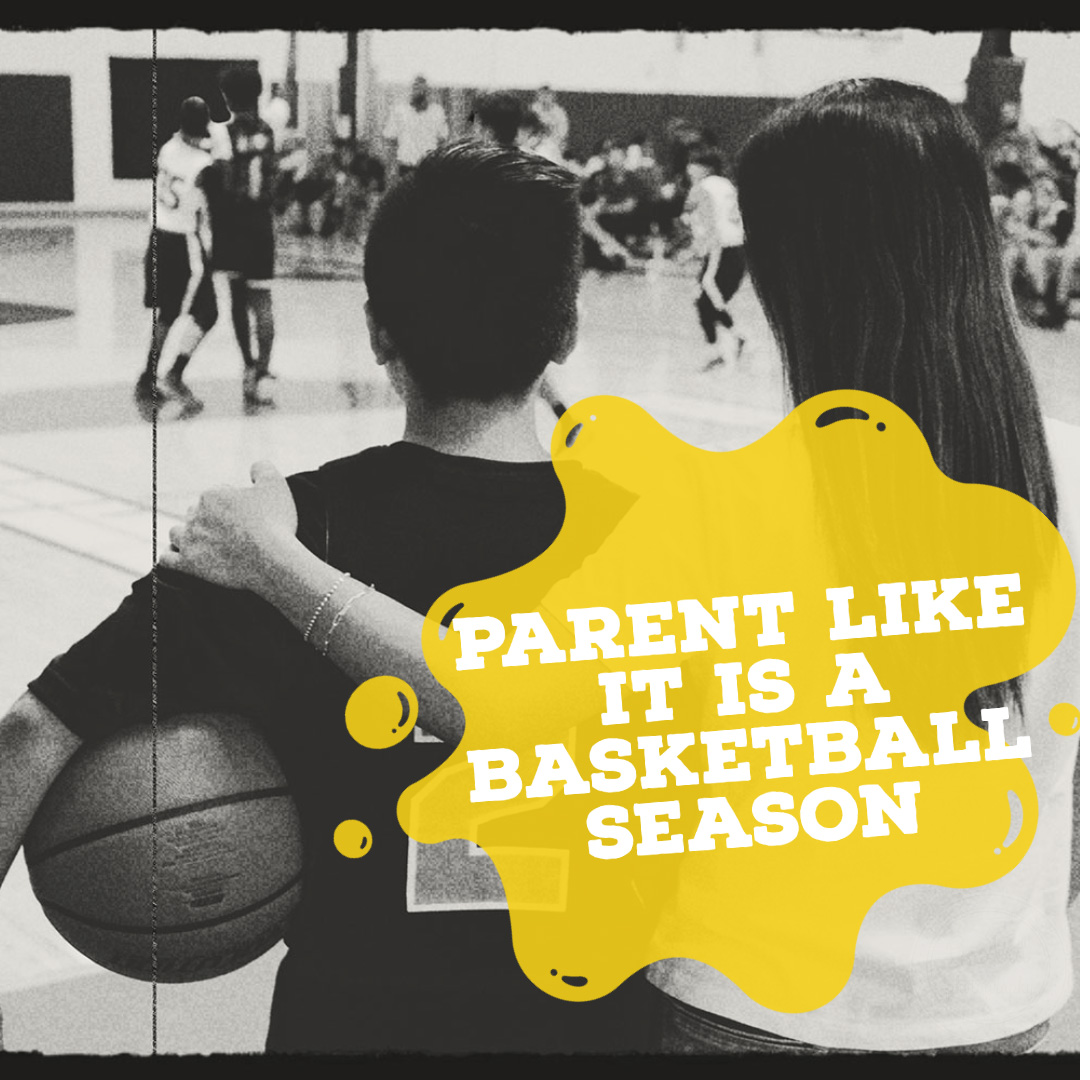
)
(177, 274)
(242, 212)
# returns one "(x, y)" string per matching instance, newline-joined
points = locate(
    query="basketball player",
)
(177, 275)
(472, 273)
(242, 216)
(717, 236)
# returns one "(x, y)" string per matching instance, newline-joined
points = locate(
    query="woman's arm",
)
(244, 538)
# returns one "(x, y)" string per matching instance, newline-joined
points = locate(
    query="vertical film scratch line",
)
(154, 549)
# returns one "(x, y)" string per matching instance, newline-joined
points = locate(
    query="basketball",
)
(211, 877)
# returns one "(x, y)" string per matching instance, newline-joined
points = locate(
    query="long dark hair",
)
(872, 247)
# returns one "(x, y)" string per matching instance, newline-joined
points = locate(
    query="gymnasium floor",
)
(75, 498)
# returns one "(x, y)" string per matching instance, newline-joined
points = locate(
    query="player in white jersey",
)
(717, 236)
(177, 275)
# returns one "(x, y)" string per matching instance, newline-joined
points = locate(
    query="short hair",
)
(241, 87)
(193, 117)
(472, 267)
(502, 114)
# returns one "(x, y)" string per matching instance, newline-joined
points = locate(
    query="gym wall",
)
(36, 132)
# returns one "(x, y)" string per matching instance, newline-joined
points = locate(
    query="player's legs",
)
(160, 331)
(253, 264)
(258, 300)
(710, 318)
(200, 317)
(731, 270)
(146, 394)
(189, 335)
(705, 309)
(715, 320)
(240, 318)
(165, 277)
(196, 315)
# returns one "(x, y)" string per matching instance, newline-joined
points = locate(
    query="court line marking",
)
(70, 510)
(58, 546)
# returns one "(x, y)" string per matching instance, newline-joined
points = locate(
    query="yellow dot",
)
(352, 839)
(381, 712)
(1064, 718)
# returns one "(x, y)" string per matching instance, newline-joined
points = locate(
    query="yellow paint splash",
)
(844, 492)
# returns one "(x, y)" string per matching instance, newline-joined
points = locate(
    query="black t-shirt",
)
(250, 172)
(362, 968)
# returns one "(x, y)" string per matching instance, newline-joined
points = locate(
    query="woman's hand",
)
(238, 537)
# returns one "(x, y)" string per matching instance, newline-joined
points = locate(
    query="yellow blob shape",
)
(1064, 718)
(760, 840)
(352, 839)
(381, 712)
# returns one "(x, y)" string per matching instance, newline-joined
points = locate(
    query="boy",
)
(242, 214)
(472, 274)
(177, 275)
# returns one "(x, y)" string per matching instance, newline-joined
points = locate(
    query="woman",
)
(872, 248)
(871, 245)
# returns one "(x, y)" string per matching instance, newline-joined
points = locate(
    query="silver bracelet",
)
(322, 603)
(340, 615)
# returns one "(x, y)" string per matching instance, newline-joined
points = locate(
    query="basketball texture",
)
(215, 873)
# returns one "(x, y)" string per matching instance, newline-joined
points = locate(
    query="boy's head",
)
(241, 88)
(472, 272)
(193, 120)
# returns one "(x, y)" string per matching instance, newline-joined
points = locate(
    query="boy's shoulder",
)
(377, 464)
(315, 489)
(399, 461)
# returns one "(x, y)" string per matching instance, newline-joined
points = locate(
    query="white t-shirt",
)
(716, 221)
(181, 206)
(417, 132)
(942, 967)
